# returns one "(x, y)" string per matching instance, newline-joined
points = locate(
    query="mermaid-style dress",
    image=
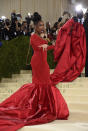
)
(37, 102)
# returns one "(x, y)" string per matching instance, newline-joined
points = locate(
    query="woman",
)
(38, 102)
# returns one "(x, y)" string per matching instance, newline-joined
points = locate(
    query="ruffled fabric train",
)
(69, 52)
(32, 104)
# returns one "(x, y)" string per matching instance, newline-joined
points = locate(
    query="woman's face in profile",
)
(40, 27)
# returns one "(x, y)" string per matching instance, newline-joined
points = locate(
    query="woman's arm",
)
(51, 47)
(37, 43)
(44, 46)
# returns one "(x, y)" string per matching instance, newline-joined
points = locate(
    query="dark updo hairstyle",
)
(36, 18)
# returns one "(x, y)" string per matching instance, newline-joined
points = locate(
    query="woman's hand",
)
(53, 43)
(44, 46)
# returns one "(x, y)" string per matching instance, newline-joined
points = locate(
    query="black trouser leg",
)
(86, 69)
(86, 66)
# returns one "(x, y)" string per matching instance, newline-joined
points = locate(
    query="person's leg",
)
(86, 68)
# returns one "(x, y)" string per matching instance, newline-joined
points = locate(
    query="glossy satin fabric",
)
(70, 52)
(35, 103)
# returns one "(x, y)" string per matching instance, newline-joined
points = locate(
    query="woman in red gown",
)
(37, 102)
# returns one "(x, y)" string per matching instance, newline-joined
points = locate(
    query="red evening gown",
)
(37, 102)
(69, 52)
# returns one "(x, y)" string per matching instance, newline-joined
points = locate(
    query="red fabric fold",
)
(70, 52)
(32, 104)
